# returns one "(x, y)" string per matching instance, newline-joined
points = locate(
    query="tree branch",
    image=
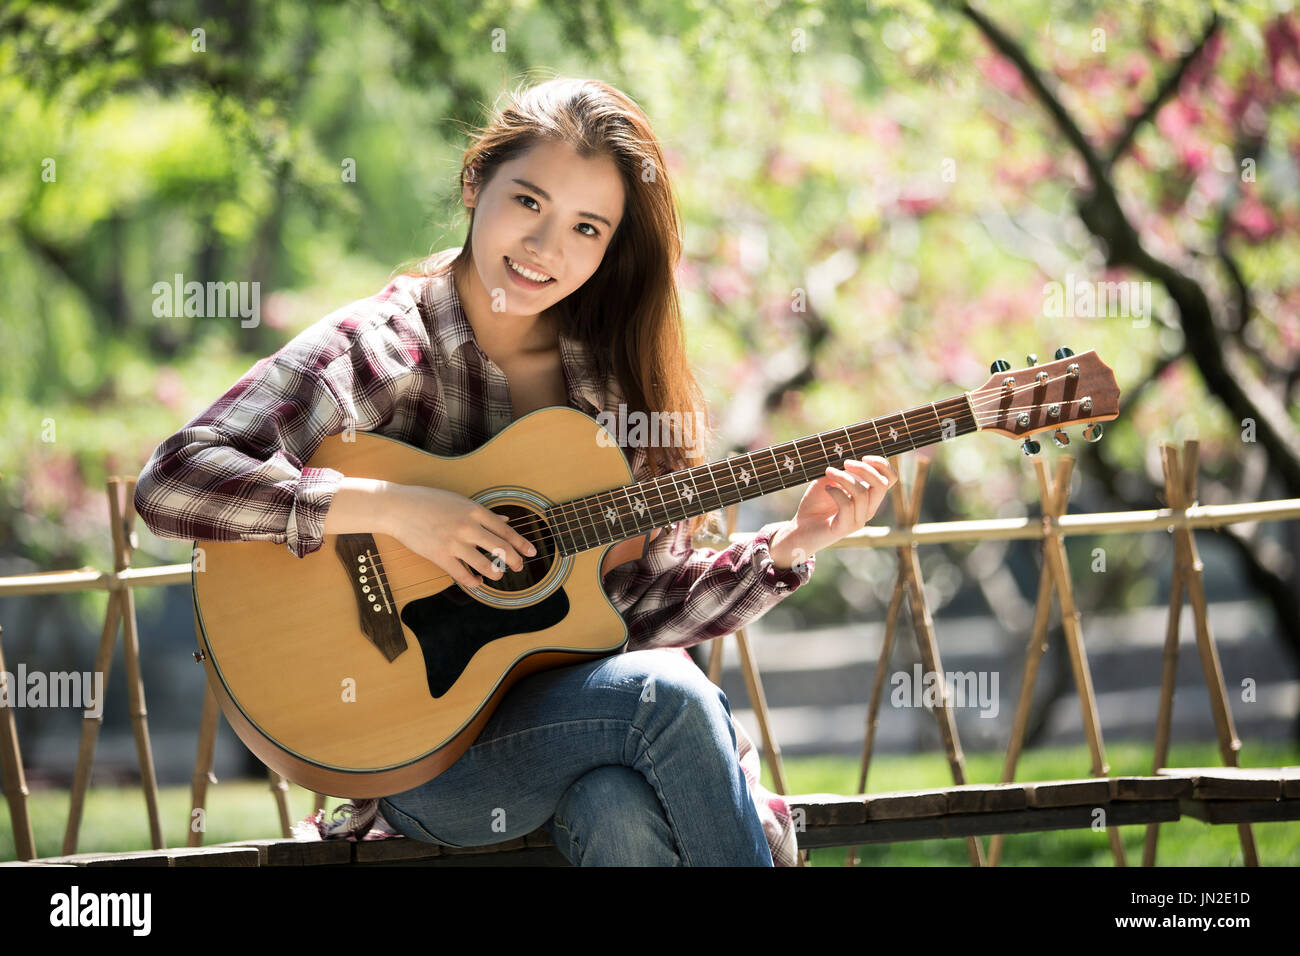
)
(1064, 121)
(1162, 94)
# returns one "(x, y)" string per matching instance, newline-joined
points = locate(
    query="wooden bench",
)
(1211, 794)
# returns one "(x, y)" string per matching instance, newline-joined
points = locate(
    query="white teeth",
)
(527, 273)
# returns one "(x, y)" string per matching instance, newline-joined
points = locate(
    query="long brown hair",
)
(627, 313)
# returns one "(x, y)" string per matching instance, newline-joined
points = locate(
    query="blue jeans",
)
(628, 760)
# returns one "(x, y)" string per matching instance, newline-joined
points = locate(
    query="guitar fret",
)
(667, 517)
(672, 480)
(582, 519)
(748, 474)
(563, 526)
(708, 470)
(790, 463)
(632, 510)
(608, 513)
(823, 445)
(692, 491)
(893, 436)
(771, 451)
(853, 451)
(727, 461)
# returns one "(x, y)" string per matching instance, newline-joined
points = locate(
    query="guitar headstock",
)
(1073, 390)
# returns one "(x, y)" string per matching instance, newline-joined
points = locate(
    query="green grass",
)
(114, 818)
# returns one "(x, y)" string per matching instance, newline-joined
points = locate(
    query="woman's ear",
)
(469, 189)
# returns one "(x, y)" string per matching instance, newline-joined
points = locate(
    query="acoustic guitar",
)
(364, 669)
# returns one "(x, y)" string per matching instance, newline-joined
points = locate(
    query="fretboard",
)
(621, 513)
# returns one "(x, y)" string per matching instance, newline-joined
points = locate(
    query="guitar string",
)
(982, 417)
(566, 525)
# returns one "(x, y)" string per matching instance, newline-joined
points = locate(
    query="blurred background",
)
(927, 180)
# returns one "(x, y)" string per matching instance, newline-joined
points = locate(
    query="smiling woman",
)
(563, 293)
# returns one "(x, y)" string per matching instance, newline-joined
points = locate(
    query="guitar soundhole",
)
(533, 527)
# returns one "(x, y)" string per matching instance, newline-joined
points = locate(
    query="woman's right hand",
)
(448, 528)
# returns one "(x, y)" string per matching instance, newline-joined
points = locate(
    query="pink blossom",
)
(784, 169)
(1195, 156)
(1253, 219)
(728, 284)
(1136, 70)
(1002, 73)
(883, 130)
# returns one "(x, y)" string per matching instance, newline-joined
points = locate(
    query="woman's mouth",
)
(521, 275)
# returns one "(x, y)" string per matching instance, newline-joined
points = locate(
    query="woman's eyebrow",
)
(547, 196)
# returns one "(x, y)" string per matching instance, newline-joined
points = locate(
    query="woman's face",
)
(551, 212)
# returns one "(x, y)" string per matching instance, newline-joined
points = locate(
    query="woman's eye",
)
(536, 208)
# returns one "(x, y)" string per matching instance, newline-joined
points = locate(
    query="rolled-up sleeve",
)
(238, 472)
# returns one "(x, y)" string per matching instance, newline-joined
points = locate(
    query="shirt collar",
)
(451, 331)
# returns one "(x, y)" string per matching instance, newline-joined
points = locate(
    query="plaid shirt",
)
(405, 364)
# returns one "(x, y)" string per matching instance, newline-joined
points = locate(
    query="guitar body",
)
(365, 688)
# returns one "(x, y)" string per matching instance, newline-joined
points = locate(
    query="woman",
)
(563, 294)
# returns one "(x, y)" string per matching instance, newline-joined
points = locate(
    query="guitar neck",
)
(636, 508)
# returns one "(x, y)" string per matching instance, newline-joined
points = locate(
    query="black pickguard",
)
(451, 626)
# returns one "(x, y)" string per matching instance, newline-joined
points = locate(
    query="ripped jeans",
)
(628, 760)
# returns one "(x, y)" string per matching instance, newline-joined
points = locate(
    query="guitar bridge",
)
(376, 611)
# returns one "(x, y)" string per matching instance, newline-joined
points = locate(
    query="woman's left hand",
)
(835, 505)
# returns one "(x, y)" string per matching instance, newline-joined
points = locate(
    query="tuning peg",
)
(1030, 447)
(1092, 432)
(1064, 352)
(1061, 438)
(1031, 359)
(1001, 365)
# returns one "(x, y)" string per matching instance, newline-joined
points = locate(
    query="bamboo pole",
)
(878, 688)
(754, 687)
(904, 515)
(1034, 651)
(1169, 659)
(1182, 489)
(1054, 549)
(203, 774)
(123, 532)
(11, 768)
(280, 788)
(90, 726)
